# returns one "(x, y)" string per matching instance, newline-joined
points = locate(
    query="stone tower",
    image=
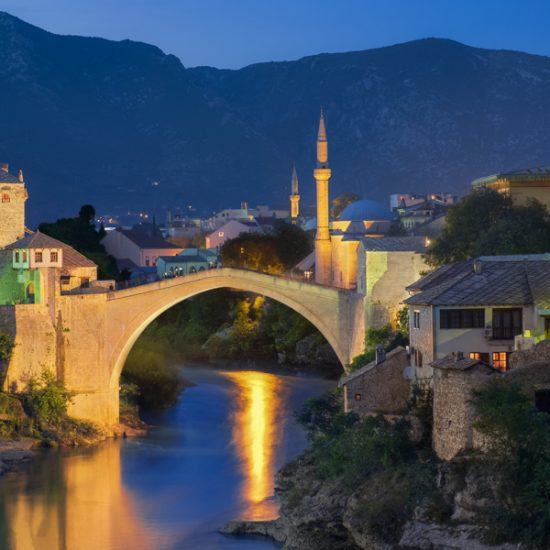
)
(294, 197)
(323, 262)
(13, 195)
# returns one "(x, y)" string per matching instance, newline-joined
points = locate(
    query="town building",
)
(13, 195)
(381, 386)
(420, 213)
(37, 265)
(179, 266)
(483, 308)
(230, 230)
(406, 200)
(142, 248)
(520, 185)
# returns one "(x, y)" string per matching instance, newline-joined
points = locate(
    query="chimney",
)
(5, 167)
(477, 266)
(380, 354)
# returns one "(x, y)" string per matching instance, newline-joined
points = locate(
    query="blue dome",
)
(365, 210)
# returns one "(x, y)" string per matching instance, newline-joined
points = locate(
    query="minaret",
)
(323, 261)
(294, 197)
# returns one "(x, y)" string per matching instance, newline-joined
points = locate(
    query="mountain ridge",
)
(96, 120)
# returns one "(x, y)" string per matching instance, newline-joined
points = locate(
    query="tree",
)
(81, 234)
(87, 213)
(486, 222)
(339, 203)
(269, 253)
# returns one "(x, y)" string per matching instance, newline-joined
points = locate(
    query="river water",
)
(209, 459)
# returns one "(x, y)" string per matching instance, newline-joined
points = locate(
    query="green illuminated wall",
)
(14, 282)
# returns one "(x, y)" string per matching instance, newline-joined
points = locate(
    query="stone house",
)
(484, 308)
(381, 386)
(38, 265)
(454, 379)
(140, 247)
(13, 195)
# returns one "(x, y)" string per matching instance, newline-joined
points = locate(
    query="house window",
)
(54, 256)
(220, 233)
(461, 318)
(84, 282)
(507, 323)
(147, 261)
(417, 357)
(5, 197)
(483, 357)
(16, 257)
(416, 319)
(357, 397)
(38, 257)
(65, 279)
(500, 360)
(24, 256)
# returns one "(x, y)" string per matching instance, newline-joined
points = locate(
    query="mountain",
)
(93, 120)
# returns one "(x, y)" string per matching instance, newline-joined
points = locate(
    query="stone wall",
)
(422, 339)
(380, 387)
(12, 213)
(537, 354)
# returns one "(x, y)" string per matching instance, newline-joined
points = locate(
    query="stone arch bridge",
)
(87, 336)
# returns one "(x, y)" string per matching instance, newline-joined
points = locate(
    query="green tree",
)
(518, 438)
(47, 399)
(80, 233)
(340, 202)
(486, 222)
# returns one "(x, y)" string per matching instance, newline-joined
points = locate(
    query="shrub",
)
(518, 452)
(157, 380)
(47, 399)
(6, 347)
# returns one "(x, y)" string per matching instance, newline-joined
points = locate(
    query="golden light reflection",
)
(256, 434)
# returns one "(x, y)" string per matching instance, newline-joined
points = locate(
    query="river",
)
(209, 459)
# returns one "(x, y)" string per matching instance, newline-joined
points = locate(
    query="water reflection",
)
(257, 432)
(73, 501)
(210, 459)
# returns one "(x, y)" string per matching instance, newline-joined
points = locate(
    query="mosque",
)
(353, 252)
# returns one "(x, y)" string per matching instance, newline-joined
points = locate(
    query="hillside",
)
(99, 121)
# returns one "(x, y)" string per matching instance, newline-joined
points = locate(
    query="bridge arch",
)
(136, 308)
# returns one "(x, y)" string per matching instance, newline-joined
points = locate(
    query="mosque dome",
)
(365, 209)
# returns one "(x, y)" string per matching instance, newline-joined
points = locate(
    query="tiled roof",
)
(454, 362)
(369, 366)
(144, 240)
(394, 244)
(71, 258)
(503, 280)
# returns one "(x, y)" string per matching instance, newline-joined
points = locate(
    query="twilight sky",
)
(234, 33)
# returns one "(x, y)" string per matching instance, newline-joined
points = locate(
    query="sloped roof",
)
(195, 259)
(454, 362)
(394, 244)
(71, 257)
(145, 240)
(503, 280)
(369, 366)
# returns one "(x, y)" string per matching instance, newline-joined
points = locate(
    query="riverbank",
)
(366, 484)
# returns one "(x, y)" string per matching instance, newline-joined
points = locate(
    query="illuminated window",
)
(357, 397)
(220, 233)
(416, 319)
(5, 197)
(38, 257)
(54, 257)
(500, 360)
(483, 357)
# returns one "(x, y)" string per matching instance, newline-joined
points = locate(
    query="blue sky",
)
(234, 33)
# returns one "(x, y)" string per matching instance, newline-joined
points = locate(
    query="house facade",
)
(230, 230)
(141, 248)
(483, 309)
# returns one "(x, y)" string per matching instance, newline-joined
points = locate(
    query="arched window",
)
(5, 197)
(193, 269)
